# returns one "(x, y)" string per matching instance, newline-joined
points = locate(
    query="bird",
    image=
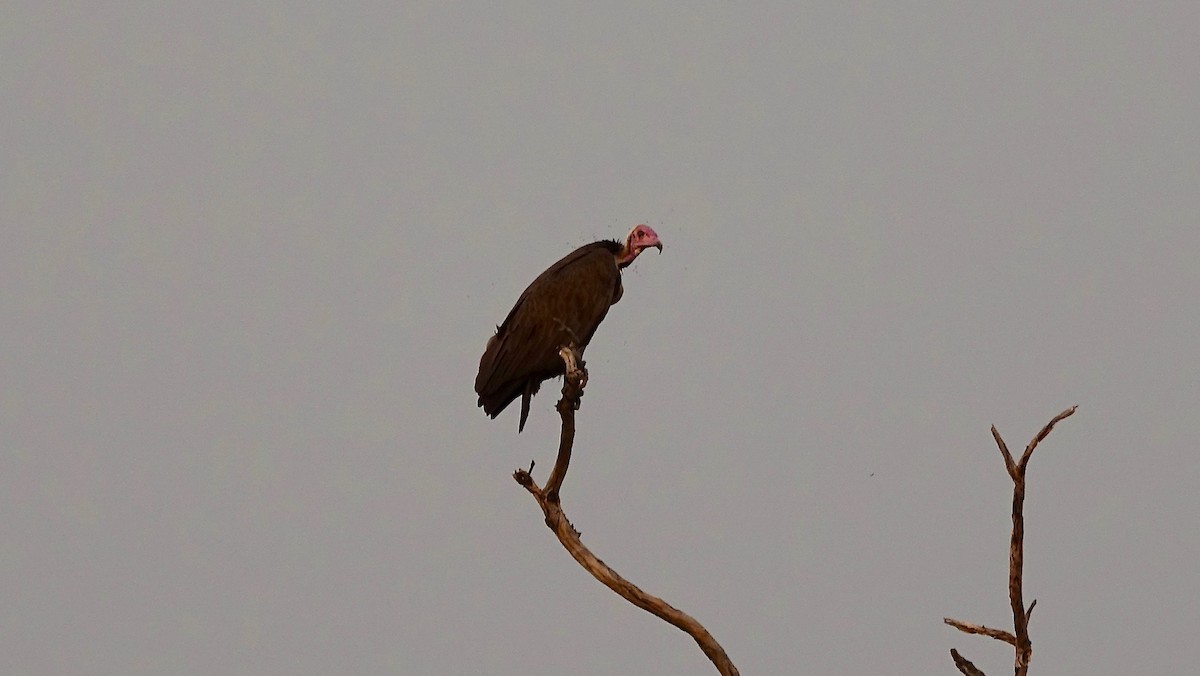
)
(563, 306)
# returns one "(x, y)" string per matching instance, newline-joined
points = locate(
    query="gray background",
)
(251, 254)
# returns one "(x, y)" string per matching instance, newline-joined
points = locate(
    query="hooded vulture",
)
(563, 305)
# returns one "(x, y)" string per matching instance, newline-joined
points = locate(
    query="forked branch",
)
(549, 500)
(1019, 639)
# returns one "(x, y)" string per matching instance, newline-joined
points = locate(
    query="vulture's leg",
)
(573, 366)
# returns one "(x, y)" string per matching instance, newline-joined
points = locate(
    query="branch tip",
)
(1042, 434)
(969, 628)
(1009, 464)
(964, 665)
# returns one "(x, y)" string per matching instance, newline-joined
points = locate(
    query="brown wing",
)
(563, 305)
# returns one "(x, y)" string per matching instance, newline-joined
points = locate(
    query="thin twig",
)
(549, 500)
(998, 634)
(1045, 431)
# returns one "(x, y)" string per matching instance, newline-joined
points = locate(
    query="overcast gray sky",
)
(251, 254)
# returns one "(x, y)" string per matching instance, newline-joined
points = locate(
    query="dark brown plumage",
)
(564, 305)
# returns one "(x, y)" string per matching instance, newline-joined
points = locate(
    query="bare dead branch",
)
(549, 500)
(1016, 564)
(1042, 434)
(1009, 464)
(964, 665)
(998, 634)
(573, 383)
(1019, 639)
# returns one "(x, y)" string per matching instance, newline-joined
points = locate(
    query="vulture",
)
(563, 305)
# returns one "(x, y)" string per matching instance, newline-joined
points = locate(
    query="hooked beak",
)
(656, 245)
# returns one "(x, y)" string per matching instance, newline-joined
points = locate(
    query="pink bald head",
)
(640, 238)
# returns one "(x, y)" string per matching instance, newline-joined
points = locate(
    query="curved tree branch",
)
(548, 500)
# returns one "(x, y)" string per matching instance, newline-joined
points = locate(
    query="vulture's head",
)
(640, 238)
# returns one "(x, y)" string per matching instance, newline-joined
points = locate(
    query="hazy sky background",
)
(251, 253)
